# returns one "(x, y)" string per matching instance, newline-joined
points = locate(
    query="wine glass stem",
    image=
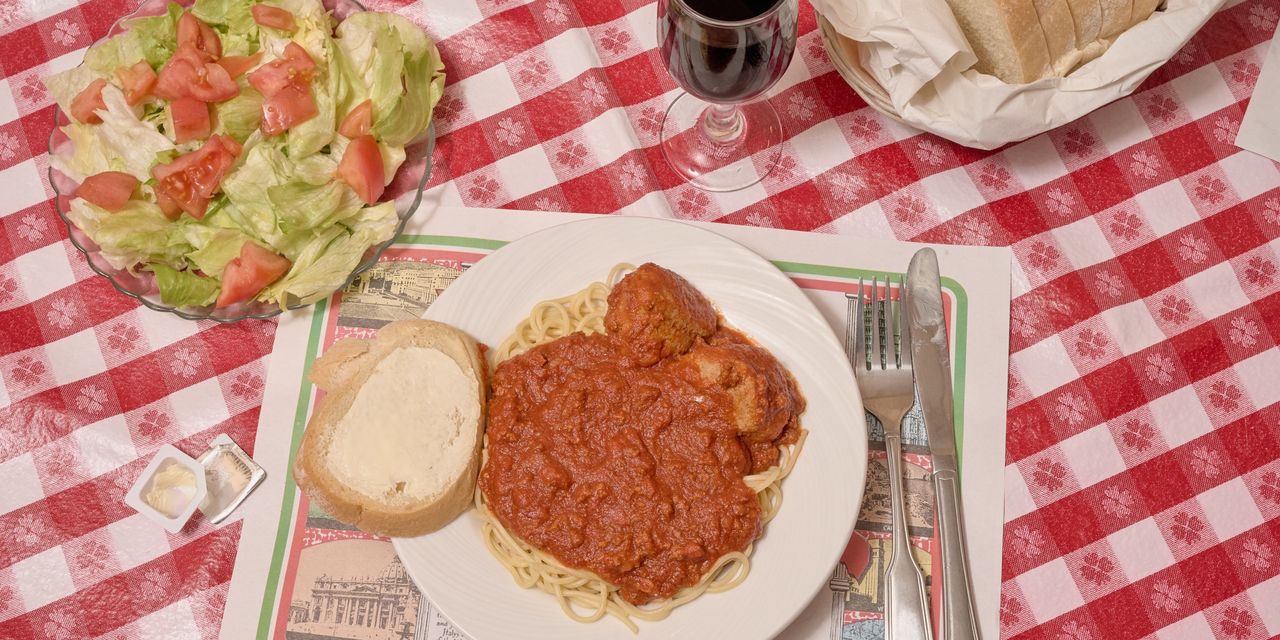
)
(723, 122)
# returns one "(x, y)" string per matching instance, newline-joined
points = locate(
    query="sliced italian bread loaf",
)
(1059, 34)
(1006, 38)
(1086, 15)
(1021, 41)
(394, 446)
(1117, 15)
(1142, 9)
(1103, 24)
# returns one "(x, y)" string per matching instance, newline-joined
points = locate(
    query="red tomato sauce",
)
(635, 471)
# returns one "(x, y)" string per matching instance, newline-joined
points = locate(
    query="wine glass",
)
(724, 53)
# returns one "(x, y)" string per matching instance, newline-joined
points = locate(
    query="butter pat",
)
(169, 489)
(396, 438)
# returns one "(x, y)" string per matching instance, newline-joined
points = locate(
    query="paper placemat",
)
(299, 574)
(1259, 131)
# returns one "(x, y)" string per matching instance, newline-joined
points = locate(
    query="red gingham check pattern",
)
(1143, 480)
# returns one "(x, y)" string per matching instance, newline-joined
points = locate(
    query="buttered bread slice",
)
(394, 446)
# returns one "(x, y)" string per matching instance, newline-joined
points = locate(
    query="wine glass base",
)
(731, 162)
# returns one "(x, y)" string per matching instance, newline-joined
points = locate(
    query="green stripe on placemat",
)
(290, 488)
(452, 241)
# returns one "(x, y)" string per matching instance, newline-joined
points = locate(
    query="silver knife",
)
(933, 380)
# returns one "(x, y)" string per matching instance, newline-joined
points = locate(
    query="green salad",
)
(238, 149)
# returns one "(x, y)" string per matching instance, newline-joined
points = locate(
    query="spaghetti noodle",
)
(583, 595)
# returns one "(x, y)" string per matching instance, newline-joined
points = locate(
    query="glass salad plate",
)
(405, 189)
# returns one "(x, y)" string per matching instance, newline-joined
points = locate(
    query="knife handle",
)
(958, 622)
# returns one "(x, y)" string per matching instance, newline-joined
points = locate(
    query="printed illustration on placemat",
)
(876, 515)
(400, 288)
(352, 590)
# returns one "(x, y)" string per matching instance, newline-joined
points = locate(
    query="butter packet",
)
(169, 489)
(231, 475)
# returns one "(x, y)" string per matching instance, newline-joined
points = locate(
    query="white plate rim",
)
(638, 239)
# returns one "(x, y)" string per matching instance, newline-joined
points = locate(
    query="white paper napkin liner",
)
(925, 68)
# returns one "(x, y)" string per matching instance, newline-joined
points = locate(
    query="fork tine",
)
(860, 338)
(892, 359)
(877, 313)
(886, 334)
(904, 327)
(850, 345)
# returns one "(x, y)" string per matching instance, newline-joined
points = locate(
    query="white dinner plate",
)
(822, 495)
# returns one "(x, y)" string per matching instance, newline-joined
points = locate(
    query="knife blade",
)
(931, 357)
(932, 366)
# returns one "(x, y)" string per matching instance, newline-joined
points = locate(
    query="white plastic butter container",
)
(169, 489)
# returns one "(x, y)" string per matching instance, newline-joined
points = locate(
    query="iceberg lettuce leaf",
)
(137, 234)
(214, 247)
(121, 143)
(240, 116)
(183, 288)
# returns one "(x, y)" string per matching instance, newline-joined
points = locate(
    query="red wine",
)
(732, 63)
(730, 10)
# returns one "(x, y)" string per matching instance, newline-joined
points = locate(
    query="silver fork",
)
(888, 391)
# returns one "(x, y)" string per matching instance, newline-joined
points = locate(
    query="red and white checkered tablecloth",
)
(1143, 482)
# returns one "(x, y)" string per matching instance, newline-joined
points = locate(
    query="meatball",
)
(657, 314)
(765, 399)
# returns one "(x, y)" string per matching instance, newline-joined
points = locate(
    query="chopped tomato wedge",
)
(190, 119)
(270, 78)
(230, 144)
(88, 101)
(361, 167)
(249, 273)
(188, 73)
(293, 68)
(187, 51)
(174, 79)
(212, 83)
(170, 207)
(289, 107)
(193, 31)
(285, 83)
(192, 178)
(237, 65)
(109, 189)
(138, 80)
(274, 17)
(209, 41)
(359, 121)
(194, 205)
(298, 57)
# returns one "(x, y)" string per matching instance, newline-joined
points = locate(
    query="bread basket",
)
(908, 60)
(846, 56)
